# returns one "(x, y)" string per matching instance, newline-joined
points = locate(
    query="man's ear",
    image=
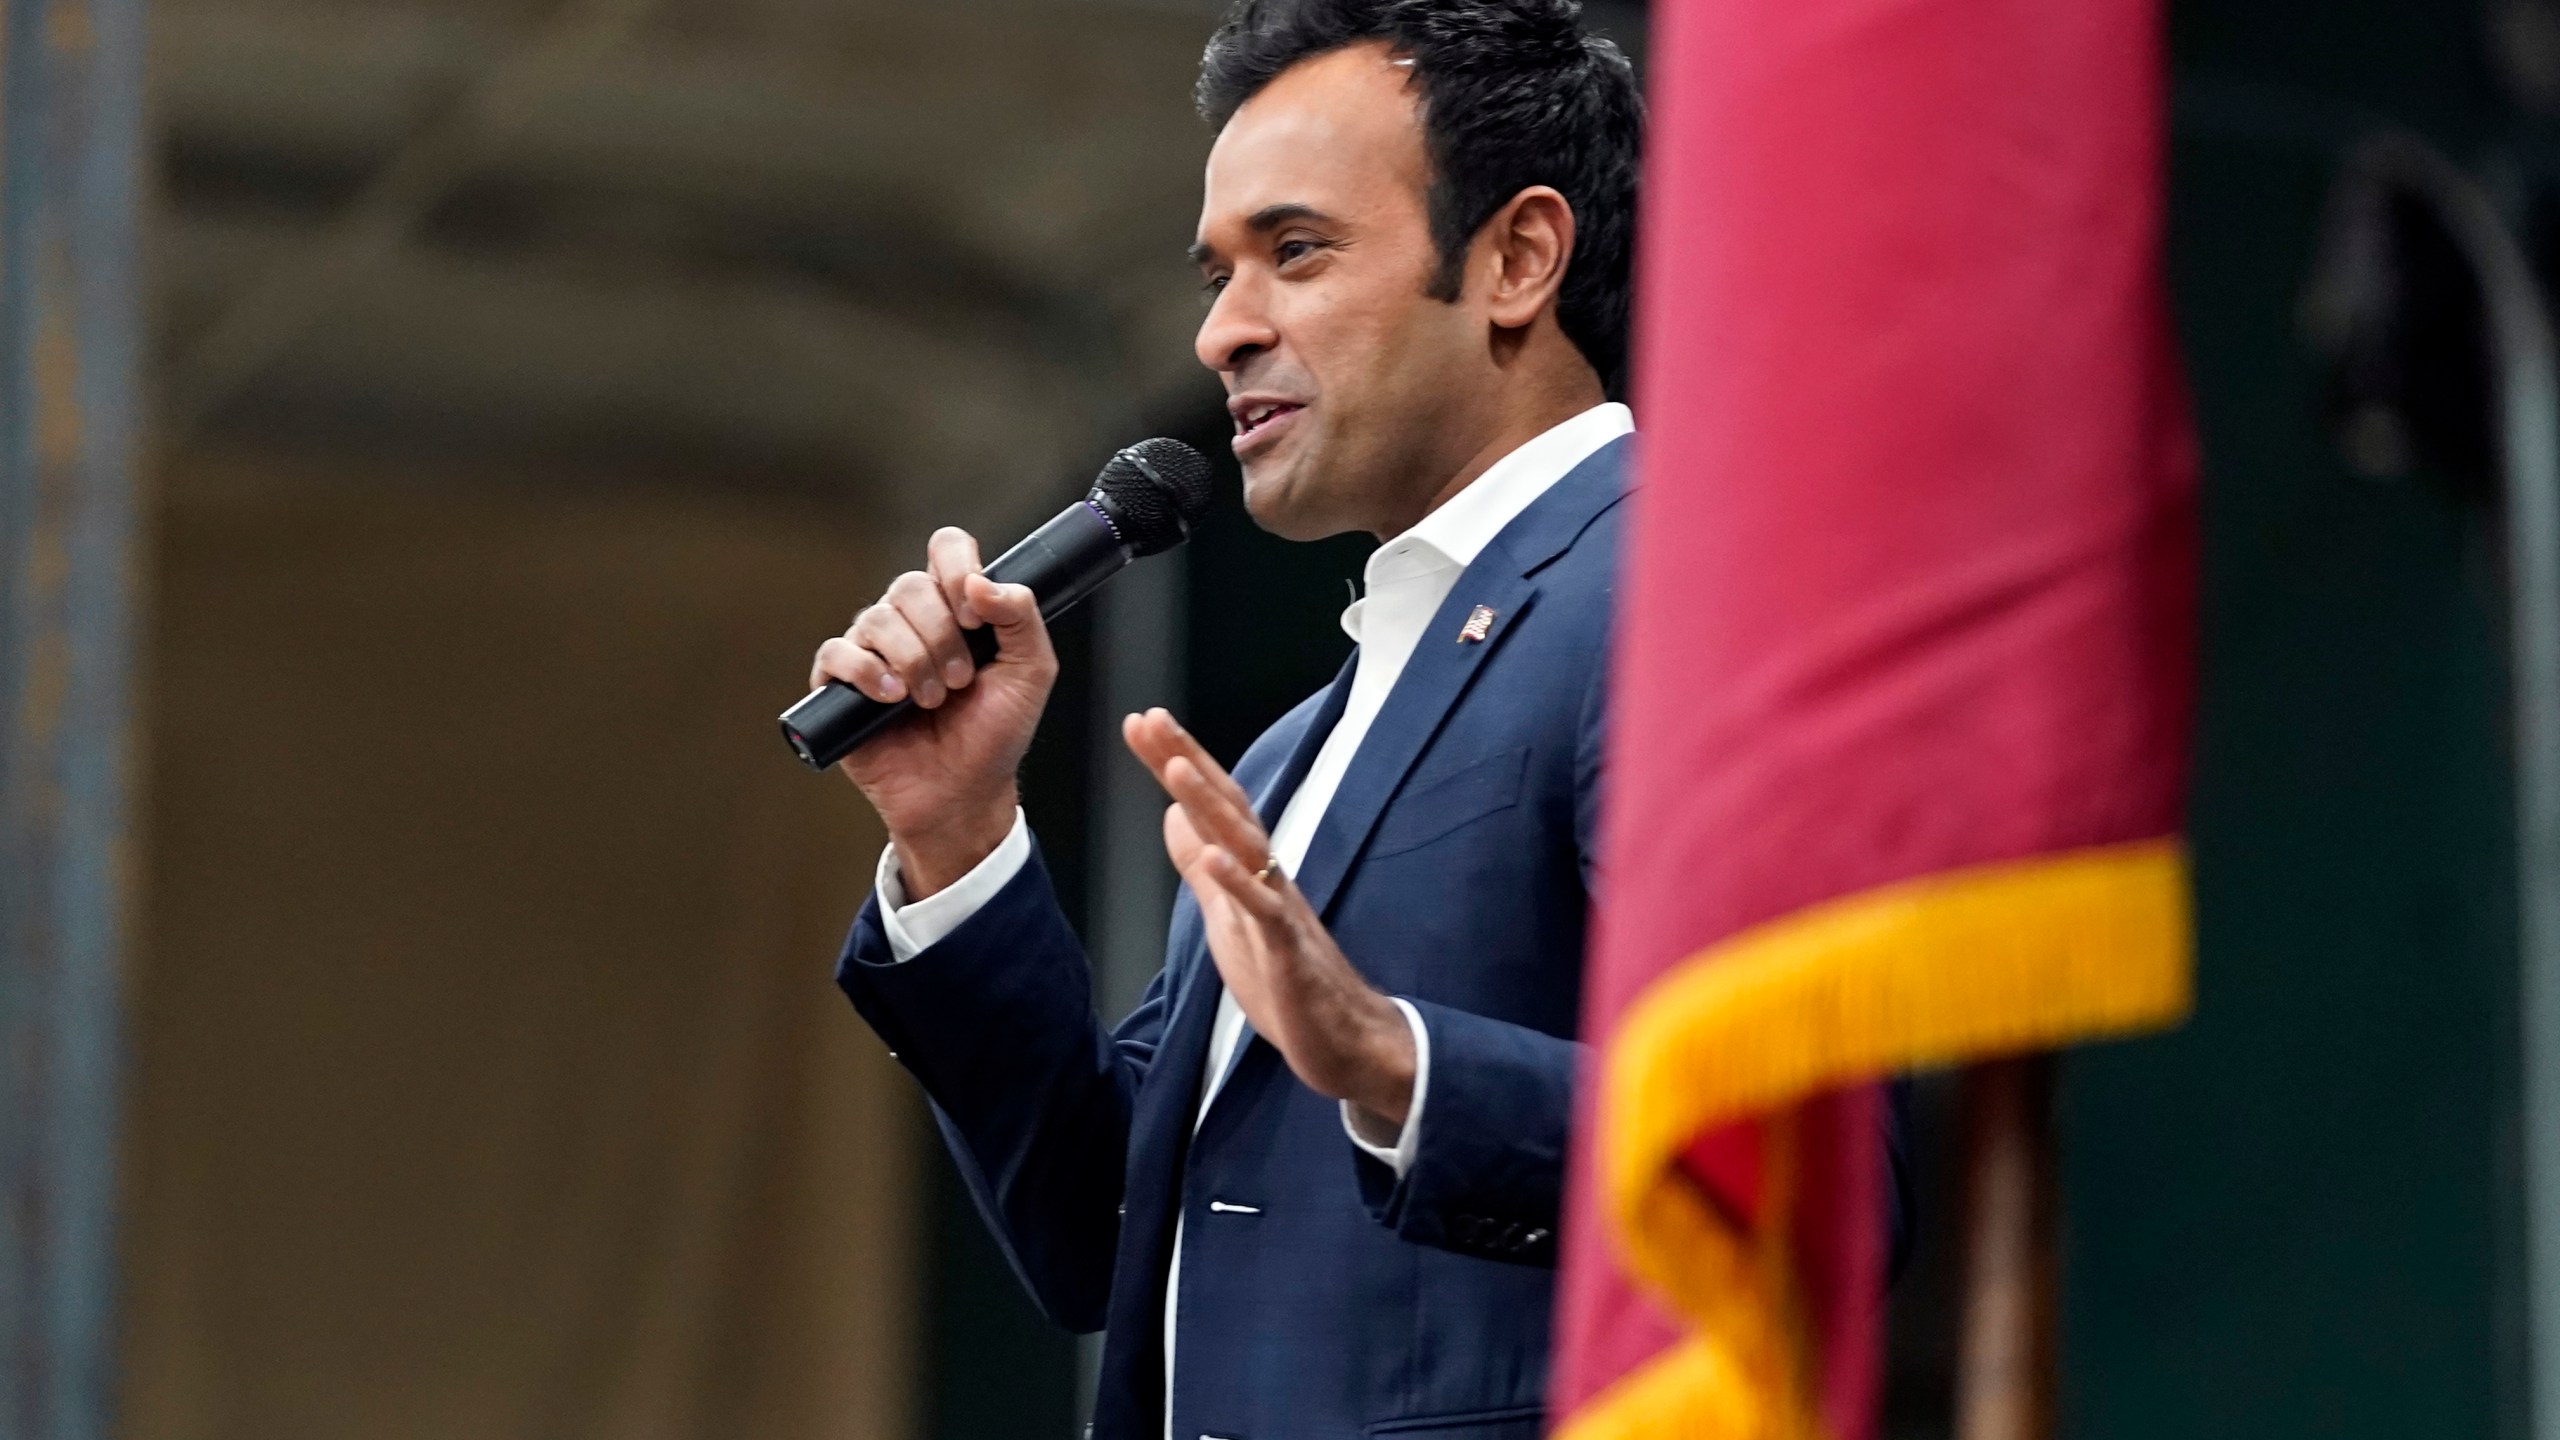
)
(1523, 250)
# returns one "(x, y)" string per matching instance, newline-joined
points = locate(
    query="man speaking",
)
(1309, 1188)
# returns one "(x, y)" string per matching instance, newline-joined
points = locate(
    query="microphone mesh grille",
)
(1153, 493)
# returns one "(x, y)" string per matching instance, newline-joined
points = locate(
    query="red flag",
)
(1905, 653)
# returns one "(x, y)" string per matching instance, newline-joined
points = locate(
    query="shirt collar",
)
(1467, 522)
(1452, 536)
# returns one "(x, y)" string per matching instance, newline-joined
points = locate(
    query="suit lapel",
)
(1441, 667)
(1456, 648)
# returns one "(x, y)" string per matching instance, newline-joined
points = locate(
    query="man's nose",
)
(1237, 328)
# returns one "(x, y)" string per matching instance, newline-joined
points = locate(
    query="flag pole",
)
(2005, 1361)
(71, 74)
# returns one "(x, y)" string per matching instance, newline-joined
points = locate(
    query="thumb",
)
(1014, 614)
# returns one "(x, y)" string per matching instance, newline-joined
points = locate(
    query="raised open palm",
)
(1339, 1035)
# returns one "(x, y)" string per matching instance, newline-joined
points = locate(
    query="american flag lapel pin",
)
(1479, 624)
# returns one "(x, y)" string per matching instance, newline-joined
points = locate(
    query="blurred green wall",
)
(2298, 1215)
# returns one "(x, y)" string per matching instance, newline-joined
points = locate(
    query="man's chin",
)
(1277, 498)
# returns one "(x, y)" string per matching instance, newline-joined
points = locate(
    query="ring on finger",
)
(1270, 869)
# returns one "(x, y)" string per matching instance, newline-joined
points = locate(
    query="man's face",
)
(1341, 372)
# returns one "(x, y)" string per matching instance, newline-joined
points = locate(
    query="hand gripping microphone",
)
(1143, 503)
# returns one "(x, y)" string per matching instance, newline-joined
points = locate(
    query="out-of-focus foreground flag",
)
(1904, 662)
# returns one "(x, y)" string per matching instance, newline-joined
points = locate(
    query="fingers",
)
(1158, 740)
(1188, 773)
(951, 557)
(919, 600)
(885, 631)
(912, 642)
(1203, 862)
(842, 659)
(1015, 614)
(1267, 901)
(1221, 821)
(1181, 842)
(1220, 812)
(1140, 738)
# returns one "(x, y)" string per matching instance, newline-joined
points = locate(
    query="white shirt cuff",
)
(915, 928)
(1408, 1140)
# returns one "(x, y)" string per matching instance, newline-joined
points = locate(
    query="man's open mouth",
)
(1255, 417)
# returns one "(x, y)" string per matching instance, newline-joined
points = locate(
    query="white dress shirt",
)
(1406, 578)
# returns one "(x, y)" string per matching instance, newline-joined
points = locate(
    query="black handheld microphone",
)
(1143, 503)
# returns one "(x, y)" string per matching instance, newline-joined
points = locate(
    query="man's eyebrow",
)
(1272, 217)
(1263, 222)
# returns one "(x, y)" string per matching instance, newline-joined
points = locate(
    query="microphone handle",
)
(1063, 562)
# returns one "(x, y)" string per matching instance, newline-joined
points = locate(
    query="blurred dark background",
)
(535, 385)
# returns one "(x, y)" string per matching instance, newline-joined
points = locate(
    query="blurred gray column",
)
(70, 108)
(2524, 362)
(1138, 649)
(1139, 635)
(2528, 414)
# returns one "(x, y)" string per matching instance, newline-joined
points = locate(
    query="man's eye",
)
(1210, 287)
(1289, 250)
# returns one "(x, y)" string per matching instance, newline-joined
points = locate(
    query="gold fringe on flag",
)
(1961, 965)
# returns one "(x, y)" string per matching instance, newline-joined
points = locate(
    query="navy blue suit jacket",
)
(1321, 1296)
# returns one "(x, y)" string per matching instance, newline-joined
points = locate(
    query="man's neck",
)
(1523, 420)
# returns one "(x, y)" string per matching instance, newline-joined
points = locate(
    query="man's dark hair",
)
(1514, 94)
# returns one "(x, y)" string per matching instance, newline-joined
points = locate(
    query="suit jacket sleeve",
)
(996, 1022)
(1489, 1167)
(1488, 1174)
